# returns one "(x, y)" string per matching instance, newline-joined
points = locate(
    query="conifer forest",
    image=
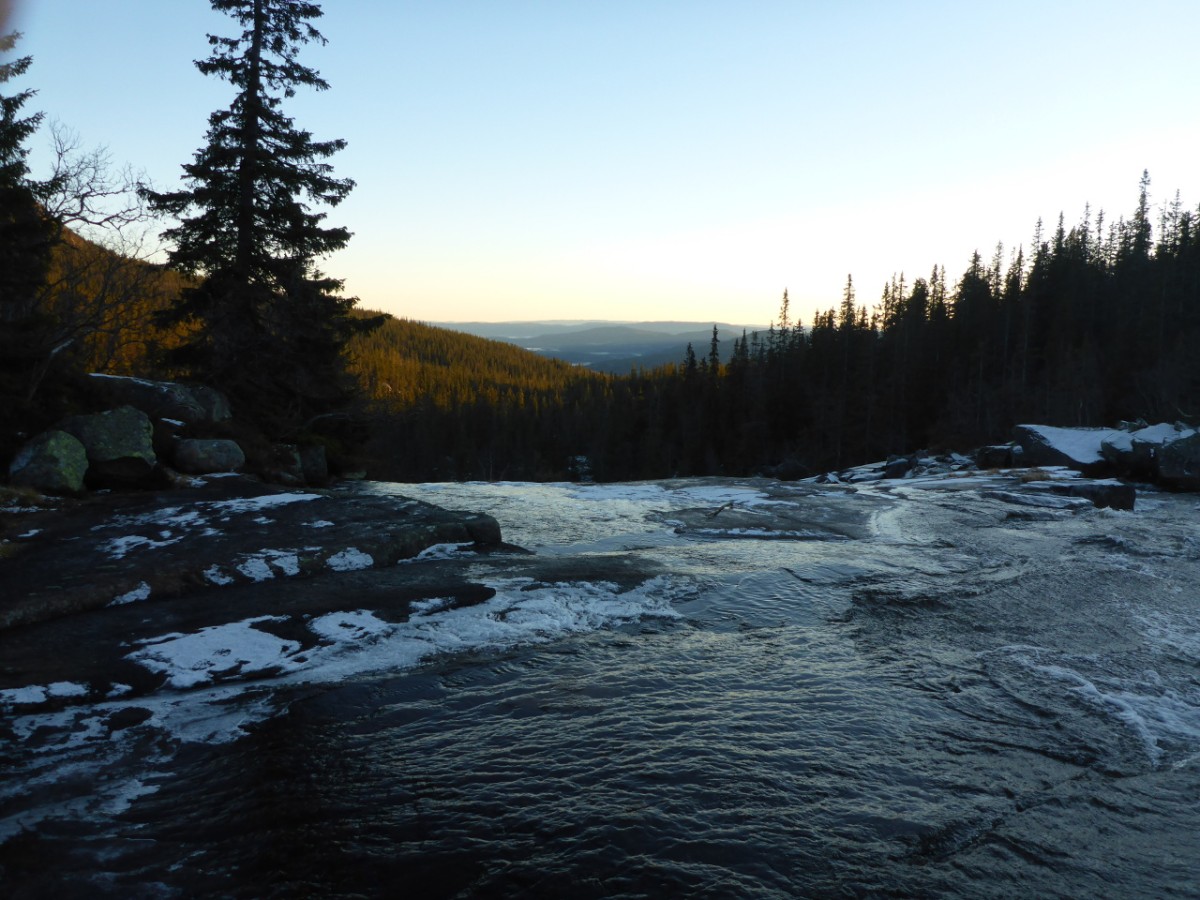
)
(1093, 321)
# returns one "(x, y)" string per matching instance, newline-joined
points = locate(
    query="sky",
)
(662, 159)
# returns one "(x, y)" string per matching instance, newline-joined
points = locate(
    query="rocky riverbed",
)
(712, 687)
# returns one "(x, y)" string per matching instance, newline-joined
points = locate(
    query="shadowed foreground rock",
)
(110, 550)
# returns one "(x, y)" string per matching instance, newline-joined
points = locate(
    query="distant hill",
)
(615, 347)
(406, 363)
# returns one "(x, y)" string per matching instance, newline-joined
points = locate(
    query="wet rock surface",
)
(929, 671)
(119, 549)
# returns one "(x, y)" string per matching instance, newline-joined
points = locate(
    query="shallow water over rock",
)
(694, 688)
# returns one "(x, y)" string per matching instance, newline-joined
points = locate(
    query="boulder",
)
(283, 466)
(789, 470)
(1179, 463)
(997, 456)
(1075, 448)
(899, 466)
(192, 404)
(200, 457)
(1107, 493)
(54, 462)
(1136, 451)
(313, 464)
(119, 445)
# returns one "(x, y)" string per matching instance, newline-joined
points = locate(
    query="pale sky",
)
(655, 159)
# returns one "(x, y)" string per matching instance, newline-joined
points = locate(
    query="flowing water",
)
(914, 690)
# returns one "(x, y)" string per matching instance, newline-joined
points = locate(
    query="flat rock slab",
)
(118, 549)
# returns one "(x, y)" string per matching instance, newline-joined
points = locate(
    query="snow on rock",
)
(253, 504)
(1076, 448)
(264, 565)
(440, 551)
(1137, 451)
(36, 694)
(214, 575)
(350, 559)
(256, 569)
(220, 651)
(1179, 462)
(341, 627)
(141, 592)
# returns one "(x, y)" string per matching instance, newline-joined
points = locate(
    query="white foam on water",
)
(558, 516)
(1164, 716)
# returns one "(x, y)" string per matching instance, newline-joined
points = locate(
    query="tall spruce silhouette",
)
(26, 233)
(271, 326)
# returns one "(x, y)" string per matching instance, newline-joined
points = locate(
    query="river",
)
(709, 688)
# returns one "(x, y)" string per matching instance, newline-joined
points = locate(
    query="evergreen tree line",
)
(1098, 323)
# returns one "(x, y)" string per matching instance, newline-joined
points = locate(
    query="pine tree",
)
(271, 326)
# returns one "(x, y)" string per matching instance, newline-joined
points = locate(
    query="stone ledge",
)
(117, 549)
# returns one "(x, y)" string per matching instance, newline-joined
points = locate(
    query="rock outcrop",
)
(116, 549)
(54, 462)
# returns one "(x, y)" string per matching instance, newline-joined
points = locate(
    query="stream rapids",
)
(702, 688)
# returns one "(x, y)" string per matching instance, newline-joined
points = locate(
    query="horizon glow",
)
(667, 160)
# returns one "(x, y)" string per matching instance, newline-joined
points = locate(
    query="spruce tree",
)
(270, 326)
(26, 234)
(27, 237)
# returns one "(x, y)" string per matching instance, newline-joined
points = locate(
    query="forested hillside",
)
(451, 405)
(1097, 322)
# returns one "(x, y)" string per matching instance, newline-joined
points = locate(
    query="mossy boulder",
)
(119, 445)
(54, 462)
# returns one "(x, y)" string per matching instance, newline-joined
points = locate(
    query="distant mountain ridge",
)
(607, 346)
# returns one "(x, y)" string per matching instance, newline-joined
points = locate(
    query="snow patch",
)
(141, 592)
(349, 560)
(119, 548)
(255, 504)
(256, 569)
(190, 660)
(214, 575)
(36, 694)
(1079, 444)
(345, 627)
(440, 551)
